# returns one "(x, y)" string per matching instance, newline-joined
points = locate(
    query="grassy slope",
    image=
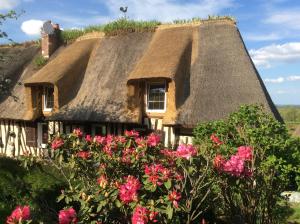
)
(295, 217)
(291, 116)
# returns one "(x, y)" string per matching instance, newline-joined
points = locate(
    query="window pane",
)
(49, 97)
(156, 96)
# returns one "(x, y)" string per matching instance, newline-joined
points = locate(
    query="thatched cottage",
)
(166, 81)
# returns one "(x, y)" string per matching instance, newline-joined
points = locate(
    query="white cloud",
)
(293, 78)
(32, 27)
(8, 4)
(288, 18)
(278, 80)
(268, 55)
(281, 79)
(167, 10)
(263, 37)
(290, 91)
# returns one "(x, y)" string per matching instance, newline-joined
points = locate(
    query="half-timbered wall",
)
(13, 138)
(19, 137)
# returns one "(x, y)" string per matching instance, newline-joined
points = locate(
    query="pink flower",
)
(141, 142)
(19, 214)
(84, 154)
(174, 197)
(67, 216)
(127, 154)
(245, 152)
(219, 162)
(57, 143)
(88, 138)
(120, 139)
(131, 133)
(140, 215)
(78, 132)
(234, 166)
(128, 191)
(100, 140)
(216, 140)
(153, 140)
(168, 152)
(186, 151)
(102, 181)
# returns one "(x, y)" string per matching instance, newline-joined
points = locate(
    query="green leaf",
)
(118, 203)
(168, 184)
(169, 212)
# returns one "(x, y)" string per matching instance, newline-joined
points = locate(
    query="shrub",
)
(124, 179)
(38, 186)
(250, 188)
(40, 61)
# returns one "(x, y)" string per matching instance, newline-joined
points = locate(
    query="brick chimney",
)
(50, 38)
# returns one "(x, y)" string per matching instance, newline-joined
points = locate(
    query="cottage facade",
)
(165, 81)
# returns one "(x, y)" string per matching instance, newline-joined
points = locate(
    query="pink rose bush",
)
(18, 215)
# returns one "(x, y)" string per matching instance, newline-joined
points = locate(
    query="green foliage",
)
(275, 163)
(37, 186)
(123, 25)
(40, 61)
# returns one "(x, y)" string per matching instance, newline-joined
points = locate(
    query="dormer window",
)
(48, 97)
(156, 97)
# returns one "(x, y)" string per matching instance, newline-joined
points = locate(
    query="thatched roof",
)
(207, 63)
(17, 68)
(64, 63)
(103, 93)
(162, 58)
(222, 78)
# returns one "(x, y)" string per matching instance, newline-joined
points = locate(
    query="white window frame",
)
(45, 108)
(148, 84)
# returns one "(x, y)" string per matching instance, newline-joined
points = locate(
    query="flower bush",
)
(130, 179)
(234, 173)
(255, 159)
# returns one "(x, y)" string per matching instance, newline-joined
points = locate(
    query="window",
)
(48, 98)
(156, 97)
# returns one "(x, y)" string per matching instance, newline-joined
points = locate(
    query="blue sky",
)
(270, 28)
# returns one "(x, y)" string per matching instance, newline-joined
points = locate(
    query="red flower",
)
(120, 139)
(88, 138)
(131, 133)
(84, 154)
(102, 181)
(174, 197)
(216, 140)
(128, 191)
(19, 214)
(245, 152)
(153, 140)
(141, 142)
(78, 132)
(57, 143)
(186, 151)
(100, 140)
(219, 162)
(140, 215)
(67, 216)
